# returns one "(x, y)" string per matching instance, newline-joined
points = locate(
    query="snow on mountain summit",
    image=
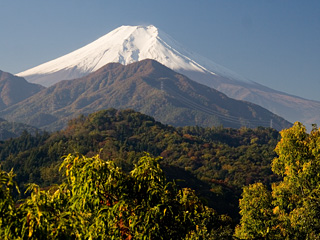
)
(126, 44)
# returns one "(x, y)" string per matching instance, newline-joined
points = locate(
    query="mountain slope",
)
(14, 89)
(129, 44)
(145, 86)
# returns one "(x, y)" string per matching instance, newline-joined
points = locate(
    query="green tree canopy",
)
(291, 209)
(100, 201)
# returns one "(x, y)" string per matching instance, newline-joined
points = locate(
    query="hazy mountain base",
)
(12, 130)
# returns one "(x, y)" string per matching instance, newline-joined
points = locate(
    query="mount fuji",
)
(128, 44)
(125, 45)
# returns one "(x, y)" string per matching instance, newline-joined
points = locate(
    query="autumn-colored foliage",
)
(216, 162)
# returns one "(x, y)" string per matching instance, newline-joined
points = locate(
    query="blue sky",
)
(273, 42)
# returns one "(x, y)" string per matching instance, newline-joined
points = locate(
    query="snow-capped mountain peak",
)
(126, 44)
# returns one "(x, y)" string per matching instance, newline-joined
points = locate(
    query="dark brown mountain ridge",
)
(146, 86)
(15, 89)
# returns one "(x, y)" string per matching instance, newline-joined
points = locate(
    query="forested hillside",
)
(97, 173)
(216, 162)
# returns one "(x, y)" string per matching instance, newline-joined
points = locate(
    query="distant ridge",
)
(128, 44)
(12, 129)
(14, 89)
(146, 86)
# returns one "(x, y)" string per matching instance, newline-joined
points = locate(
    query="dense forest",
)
(215, 162)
